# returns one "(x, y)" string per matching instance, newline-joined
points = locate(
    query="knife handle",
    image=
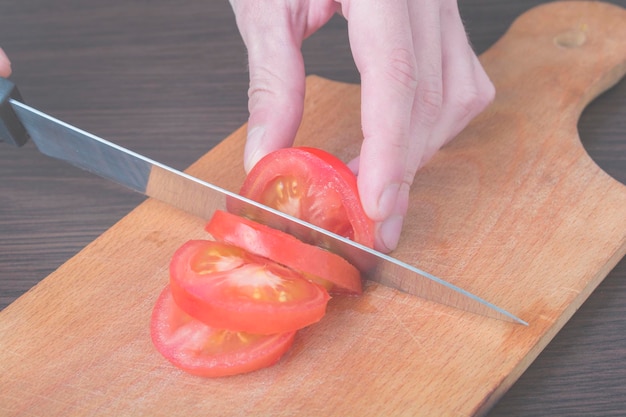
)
(11, 129)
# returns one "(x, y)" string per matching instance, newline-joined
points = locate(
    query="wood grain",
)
(560, 398)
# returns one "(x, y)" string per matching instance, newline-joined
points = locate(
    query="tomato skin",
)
(204, 351)
(229, 288)
(312, 185)
(331, 270)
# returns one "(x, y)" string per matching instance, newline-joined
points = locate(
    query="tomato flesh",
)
(202, 350)
(319, 265)
(312, 185)
(228, 288)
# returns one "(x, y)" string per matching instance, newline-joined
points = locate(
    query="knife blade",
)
(60, 140)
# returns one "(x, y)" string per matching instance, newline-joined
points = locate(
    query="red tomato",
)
(229, 288)
(317, 264)
(312, 185)
(202, 350)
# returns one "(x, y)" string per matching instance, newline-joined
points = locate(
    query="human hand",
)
(421, 84)
(5, 64)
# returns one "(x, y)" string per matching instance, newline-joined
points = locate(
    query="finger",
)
(383, 52)
(5, 64)
(424, 112)
(429, 94)
(277, 79)
(467, 88)
(397, 85)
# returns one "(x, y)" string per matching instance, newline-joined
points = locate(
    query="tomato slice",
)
(317, 264)
(312, 185)
(228, 288)
(206, 351)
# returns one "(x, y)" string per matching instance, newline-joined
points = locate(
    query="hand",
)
(421, 85)
(5, 64)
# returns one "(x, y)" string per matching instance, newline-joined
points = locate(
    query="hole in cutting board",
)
(601, 128)
(602, 123)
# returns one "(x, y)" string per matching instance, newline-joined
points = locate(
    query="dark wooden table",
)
(168, 79)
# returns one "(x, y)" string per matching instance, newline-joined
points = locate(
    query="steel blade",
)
(153, 179)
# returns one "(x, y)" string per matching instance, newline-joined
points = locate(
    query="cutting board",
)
(513, 210)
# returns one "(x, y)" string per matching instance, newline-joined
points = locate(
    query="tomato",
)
(317, 264)
(228, 288)
(203, 350)
(233, 306)
(312, 185)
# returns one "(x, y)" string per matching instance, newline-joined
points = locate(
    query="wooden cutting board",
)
(513, 210)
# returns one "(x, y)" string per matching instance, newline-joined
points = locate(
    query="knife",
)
(60, 140)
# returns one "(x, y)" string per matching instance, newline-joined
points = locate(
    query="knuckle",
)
(473, 99)
(261, 88)
(270, 95)
(402, 68)
(429, 97)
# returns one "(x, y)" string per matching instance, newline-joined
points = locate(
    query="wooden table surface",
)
(169, 80)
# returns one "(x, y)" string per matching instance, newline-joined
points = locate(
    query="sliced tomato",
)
(312, 185)
(228, 288)
(317, 264)
(206, 351)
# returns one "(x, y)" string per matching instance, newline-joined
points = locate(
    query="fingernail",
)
(389, 232)
(253, 152)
